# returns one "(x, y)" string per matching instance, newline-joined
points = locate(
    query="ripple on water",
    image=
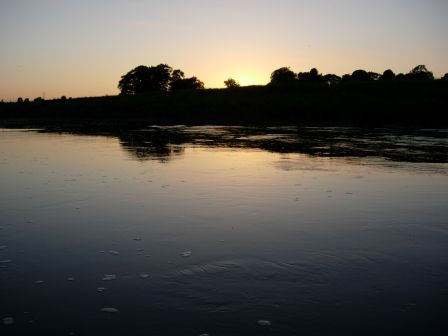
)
(240, 284)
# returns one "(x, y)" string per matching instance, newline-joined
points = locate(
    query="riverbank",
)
(414, 104)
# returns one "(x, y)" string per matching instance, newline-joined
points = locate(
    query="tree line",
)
(162, 77)
(286, 76)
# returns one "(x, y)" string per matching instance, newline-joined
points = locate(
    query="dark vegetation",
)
(162, 77)
(231, 83)
(160, 94)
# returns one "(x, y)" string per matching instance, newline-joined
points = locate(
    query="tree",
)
(420, 72)
(146, 79)
(346, 78)
(331, 79)
(387, 75)
(445, 77)
(283, 76)
(231, 83)
(400, 77)
(374, 75)
(156, 78)
(312, 76)
(186, 83)
(177, 75)
(20, 100)
(179, 82)
(361, 76)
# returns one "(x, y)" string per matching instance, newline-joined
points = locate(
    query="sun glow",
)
(246, 80)
(249, 79)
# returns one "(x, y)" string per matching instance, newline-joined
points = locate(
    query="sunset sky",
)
(82, 48)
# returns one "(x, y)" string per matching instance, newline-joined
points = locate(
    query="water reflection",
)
(193, 230)
(161, 144)
(164, 143)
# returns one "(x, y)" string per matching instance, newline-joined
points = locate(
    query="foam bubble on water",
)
(109, 277)
(109, 310)
(186, 254)
(114, 252)
(39, 282)
(264, 323)
(8, 320)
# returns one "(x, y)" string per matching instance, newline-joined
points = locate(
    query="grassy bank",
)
(423, 104)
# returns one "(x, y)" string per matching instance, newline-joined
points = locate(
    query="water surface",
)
(209, 229)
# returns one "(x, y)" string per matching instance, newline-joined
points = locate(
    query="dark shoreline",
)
(363, 104)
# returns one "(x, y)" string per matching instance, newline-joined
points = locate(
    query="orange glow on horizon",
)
(52, 48)
(249, 79)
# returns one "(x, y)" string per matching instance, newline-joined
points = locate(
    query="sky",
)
(81, 48)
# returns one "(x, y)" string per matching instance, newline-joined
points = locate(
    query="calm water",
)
(211, 229)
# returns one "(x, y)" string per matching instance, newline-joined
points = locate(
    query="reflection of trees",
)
(155, 143)
(165, 143)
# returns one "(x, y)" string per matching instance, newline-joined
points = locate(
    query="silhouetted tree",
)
(145, 79)
(314, 73)
(38, 100)
(231, 83)
(361, 76)
(346, 78)
(27, 100)
(179, 82)
(445, 77)
(20, 100)
(387, 75)
(420, 72)
(312, 76)
(331, 79)
(156, 78)
(187, 83)
(283, 76)
(63, 98)
(374, 75)
(177, 75)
